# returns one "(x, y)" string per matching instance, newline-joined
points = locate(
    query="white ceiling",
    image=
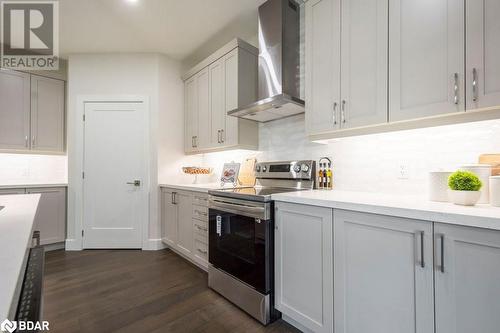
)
(178, 28)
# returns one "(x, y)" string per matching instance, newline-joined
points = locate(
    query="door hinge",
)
(83, 233)
(84, 117)
(83, 175)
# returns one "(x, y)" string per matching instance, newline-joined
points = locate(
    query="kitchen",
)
(248, 166)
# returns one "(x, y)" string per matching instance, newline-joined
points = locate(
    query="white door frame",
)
(75, 186)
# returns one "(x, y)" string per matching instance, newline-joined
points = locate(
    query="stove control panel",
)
(286, 170)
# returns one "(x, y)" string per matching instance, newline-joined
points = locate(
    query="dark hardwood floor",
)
(137, 291)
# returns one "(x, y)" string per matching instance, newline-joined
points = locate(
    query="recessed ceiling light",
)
(132, 2)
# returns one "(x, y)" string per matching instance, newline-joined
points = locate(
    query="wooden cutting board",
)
(247, 174)
(493, 160)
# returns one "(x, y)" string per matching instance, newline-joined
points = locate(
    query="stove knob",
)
(296, 168)
(257, 168)
(264, 169)
(304, 167)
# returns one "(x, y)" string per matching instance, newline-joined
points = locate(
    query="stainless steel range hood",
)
(279, 64)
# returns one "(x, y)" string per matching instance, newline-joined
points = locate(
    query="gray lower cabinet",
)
(467, 279)
(383, 274)
(303, 265)
(389, 274)
(50, 217)
(184, 224)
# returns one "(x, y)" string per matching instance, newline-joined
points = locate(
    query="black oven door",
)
(241, 245)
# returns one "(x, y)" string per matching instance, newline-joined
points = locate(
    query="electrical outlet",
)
(404, 171)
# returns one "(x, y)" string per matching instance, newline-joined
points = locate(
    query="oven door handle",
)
(244, 210)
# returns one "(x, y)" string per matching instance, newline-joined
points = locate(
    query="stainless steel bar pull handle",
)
(135, 183)
(26, 141)
(422, 258)
(474, 85)
(222, 136)
(343, 112)
(455, 88)
(335, 113)
(440, 238)
(218, 136)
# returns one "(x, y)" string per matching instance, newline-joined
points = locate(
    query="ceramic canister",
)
(438, 185)
(483, 171)
(495, 191)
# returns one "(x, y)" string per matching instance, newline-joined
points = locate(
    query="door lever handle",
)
(135, 183)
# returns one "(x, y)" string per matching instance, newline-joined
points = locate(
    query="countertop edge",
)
(18, 186)
(469, 220)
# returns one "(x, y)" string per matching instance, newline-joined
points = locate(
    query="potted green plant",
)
(464, 187)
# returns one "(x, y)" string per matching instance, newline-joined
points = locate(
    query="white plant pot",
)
(464, 198)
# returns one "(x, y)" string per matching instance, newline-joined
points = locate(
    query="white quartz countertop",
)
(16, 227)
(37, 185)
(204, 188)
(413, 207)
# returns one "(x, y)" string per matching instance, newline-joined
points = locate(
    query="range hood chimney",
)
(279, 64)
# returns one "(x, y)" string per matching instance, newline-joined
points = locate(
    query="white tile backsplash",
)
(22, 169)
(371, 163)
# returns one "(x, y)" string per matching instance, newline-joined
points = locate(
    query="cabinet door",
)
(426, 52)
(184, 244)
(169, 218)
(47, 114)
(483, 53)
(203, 93)
(50, 217)
(231, 83)
(217, 105)
(191, 113)
(383, 274)
(303, 265)
(468, 283)
(14, 110)
(322, 25)
(364, 62)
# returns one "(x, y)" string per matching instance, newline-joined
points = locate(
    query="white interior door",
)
(115, 155)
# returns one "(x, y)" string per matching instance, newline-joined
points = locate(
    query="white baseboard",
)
(73, 245)
(153, 245)
(295, 324)
(53, 247)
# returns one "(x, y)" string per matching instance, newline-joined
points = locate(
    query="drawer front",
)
(200, 230)
(200, 200)
(201, 249)
(200, 213)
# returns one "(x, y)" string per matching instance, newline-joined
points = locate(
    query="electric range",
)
(241, 235)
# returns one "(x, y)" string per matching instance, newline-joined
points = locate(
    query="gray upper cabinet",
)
(322, 65)
(467, 279)
(47, 114)
(14, 110)
(346, 64)
(32, 114)
(383, 274)
(483, 53)
(225, 81)
(426, 52)
(364, 62)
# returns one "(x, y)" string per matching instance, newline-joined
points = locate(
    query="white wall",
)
(22, 169)
(151, 75)
(371, 163)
